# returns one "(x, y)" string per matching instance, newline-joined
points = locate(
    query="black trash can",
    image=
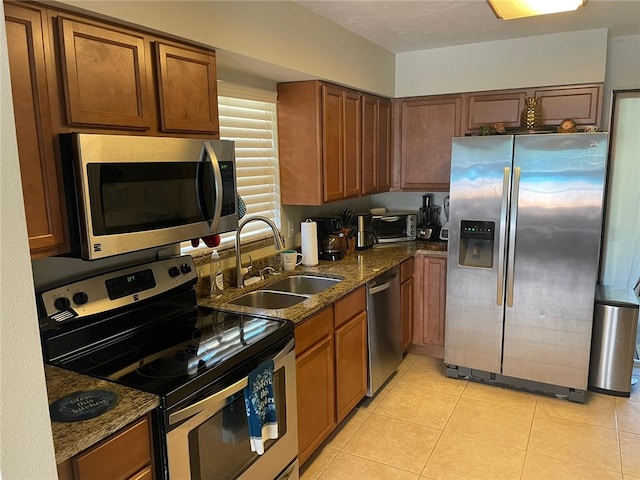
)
(613, 340)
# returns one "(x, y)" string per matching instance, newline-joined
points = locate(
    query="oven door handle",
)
(218, 400)
(215, 402)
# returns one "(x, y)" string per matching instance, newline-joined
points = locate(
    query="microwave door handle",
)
(214, 402)
(208, 154)
(389, 219)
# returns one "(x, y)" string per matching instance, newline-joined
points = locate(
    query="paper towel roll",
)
(309, 233)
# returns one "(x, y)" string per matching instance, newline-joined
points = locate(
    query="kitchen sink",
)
(268, 299)
(303, 284)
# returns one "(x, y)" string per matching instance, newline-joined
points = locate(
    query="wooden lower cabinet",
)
(125, 455)
(430, 281)
(331, 369)
(315, 382)
(406, 301)
(350, 321)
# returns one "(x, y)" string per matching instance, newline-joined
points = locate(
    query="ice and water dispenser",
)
(476, 243)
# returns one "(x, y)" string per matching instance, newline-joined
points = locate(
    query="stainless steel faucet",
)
(277, 240)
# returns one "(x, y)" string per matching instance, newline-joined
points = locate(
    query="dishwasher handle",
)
(380, 288)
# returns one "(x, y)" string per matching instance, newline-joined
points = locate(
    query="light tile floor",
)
(425, 426)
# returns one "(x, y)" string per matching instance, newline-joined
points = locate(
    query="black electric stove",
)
(141, 327)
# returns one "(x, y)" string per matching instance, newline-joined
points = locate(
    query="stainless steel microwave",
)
(129, 193)
(395, 227)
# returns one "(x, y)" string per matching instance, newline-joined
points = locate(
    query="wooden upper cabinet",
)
(319, 130)
(581, 103)
(187, 89)
(494, 107)
(42, 200)
(384, 145)
(104, 75)
(352, 140)
(369, 145)
(427, 127)
(376, 144)
(333, 143)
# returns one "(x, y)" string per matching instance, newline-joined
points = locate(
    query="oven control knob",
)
(185, 268)
(174, 271)
(80, 298)
(62, 303)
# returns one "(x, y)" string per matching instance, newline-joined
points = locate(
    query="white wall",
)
(559, 59)
(26, 446)
(279, 34)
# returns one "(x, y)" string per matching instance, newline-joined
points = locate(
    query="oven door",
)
(213, 443)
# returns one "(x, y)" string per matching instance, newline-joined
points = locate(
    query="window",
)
(248, 117)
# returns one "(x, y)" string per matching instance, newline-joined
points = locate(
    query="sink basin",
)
(303, 284)
(268, 299)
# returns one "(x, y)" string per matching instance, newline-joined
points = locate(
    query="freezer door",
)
(553, 256)
(480, 178)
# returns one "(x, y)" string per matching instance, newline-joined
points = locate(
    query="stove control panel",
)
(108, 291)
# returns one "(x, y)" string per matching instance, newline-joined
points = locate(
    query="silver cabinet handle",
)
(502, 234)
(512, 235)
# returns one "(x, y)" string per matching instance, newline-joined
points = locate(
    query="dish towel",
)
(261, 406)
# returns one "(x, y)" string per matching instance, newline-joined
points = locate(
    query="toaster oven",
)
(395, 227)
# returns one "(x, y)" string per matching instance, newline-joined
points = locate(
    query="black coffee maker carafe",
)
(330, 238)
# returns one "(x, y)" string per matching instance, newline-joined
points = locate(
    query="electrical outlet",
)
(290, 229)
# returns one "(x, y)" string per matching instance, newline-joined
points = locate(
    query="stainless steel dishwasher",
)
(384, 319)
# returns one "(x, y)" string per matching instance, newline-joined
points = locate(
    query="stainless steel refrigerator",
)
(524, 244)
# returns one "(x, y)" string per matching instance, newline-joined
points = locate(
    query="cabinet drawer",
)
(313, 330)
(119, 457)
(406, 270)
(350, 306)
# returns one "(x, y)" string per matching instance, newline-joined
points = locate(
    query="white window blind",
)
(248, 117)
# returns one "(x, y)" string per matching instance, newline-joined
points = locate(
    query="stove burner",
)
(114, 353)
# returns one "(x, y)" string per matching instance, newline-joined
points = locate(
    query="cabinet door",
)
(104, 75)
(494, 107)
(315, 382)
(332, 141)
(384, 145)
(429, 309)
(583, 104)
(406, 299)
(369, 145)
(352, 141)
(131, 447)
(187, 88)
(427, 127)
(351, 364)
(40, 178)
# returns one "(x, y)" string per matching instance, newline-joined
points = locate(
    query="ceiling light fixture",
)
(510, 9)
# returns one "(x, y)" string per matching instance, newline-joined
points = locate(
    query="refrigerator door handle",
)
(502, 235)
(512, 235)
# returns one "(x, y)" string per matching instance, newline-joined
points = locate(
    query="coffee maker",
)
(428, 228)
(330, 238)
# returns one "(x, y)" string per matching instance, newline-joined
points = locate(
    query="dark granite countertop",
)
(70, 438)
(354, 270)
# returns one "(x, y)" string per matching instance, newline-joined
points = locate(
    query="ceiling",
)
(405, 26)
